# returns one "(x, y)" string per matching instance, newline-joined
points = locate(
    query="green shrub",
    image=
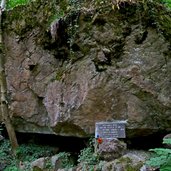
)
(12, 168)
(167, 3)
(14, 3)
(65, 159)
(6, 154)
(88, 158)
(161, 158)
(25, 153)
(31, 152)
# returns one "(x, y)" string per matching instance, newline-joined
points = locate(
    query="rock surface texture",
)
(109, 150)
(90, 65)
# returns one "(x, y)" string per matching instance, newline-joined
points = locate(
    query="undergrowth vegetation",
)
(161, 158)
(75, 3)
(26, 153)
(167, 3)
(6, 155)
(66, 160)
(14, 3)
(88, 158)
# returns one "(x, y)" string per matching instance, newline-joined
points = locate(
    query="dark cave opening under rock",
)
(146, 142)
(74, 145)
(70, 145)
(62, 143)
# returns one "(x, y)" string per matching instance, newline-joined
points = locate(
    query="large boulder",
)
(132, 161)
(44, 163)
(114, 68)
(111, 149)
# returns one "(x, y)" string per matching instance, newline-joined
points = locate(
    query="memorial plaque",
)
(110, 130)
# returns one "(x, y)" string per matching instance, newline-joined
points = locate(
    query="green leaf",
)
(157, 161)
(165, 168)
(161, 151)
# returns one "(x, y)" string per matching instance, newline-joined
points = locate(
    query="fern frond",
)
(166, 166)
(161, 151)
(157, 161)
(162, 158)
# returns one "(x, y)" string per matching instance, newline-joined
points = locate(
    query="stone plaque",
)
(110, 130)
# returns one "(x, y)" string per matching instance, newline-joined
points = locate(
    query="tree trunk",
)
(3, 89)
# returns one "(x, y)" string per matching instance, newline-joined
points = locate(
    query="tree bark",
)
(3, 88)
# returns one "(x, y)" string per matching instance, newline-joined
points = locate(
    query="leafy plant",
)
(66, 162)
(25, 153)
(48, 164)
(12, 168)
(6, 152)
(87, 157)
(30, 152)
(162, 157)
(167, 3)
(14, 3)
(6, 156)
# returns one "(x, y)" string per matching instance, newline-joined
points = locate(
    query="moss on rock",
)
(66, 128)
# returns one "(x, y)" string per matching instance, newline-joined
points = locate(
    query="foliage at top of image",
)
(75, 3)
(13, 3)
(161, 158)
(167, 3)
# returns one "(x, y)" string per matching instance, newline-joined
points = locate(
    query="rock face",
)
(100, 66)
